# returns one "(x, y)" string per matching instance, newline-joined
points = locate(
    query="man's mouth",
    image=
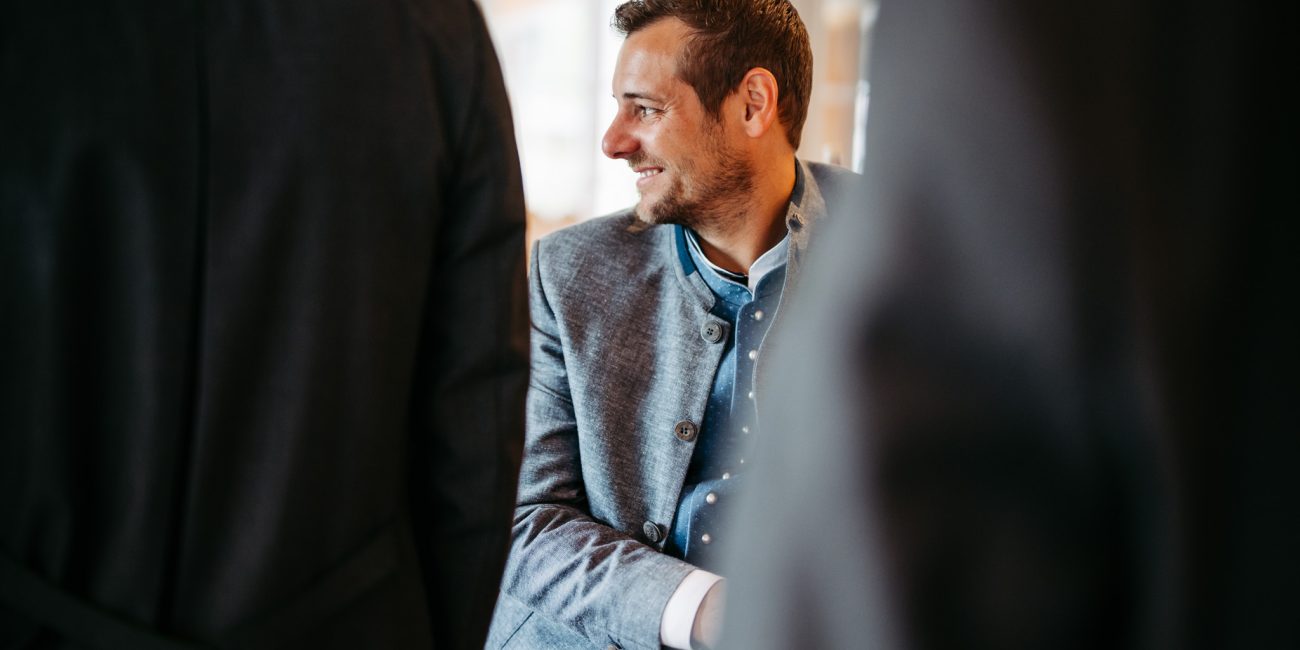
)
(644, 174)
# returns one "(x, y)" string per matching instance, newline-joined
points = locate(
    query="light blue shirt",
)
(747, 303)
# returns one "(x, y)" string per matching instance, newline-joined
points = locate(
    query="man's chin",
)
(656, 214)
(646, 214)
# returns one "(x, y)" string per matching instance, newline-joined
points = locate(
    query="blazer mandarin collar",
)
(806, 208)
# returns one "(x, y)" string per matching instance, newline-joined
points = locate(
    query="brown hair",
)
(730, 38)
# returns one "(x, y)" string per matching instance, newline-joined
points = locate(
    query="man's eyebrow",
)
(641, 96)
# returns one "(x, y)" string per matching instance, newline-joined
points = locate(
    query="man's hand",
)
(708, 620)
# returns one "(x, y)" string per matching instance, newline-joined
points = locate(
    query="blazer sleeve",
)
(564, 563)
(469, 413)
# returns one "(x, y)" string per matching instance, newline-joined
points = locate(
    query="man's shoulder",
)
(608, 230)
(833, 180)
(597, 270)
(615, 243)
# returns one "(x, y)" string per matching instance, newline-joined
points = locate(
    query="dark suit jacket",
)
(1044, 393)
(263, 327)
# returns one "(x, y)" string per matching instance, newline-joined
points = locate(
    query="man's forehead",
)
(647, 62)
(666, 34)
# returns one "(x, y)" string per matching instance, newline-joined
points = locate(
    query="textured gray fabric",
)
(617, 360)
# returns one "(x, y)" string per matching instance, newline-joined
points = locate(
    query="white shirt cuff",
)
(679, 614)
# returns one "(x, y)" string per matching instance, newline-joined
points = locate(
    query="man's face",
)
(692, 168)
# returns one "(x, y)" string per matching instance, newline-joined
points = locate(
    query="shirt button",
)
(753, 354)
(685, 430)
(744, 429)
(742, 461)
(710, 498)
(726, 475)
(758, 314)
(652, 531)
(750, 395)
(706, 538)
(713, 331)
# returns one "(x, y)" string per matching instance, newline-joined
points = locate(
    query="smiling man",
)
(650, 329)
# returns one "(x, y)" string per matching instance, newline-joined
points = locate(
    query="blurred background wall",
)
(558, 57)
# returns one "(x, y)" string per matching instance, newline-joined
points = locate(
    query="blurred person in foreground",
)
(262, 325)
(1043, 394)
(649, 331)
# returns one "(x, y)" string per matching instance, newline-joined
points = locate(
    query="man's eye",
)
(646, 111)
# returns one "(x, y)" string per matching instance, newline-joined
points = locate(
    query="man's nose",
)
(618, 141)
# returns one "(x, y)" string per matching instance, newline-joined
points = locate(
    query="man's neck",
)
(758, 225)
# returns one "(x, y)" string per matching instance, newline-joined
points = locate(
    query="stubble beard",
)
(717, 197)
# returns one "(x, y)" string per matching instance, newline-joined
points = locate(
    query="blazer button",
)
(713, 331)
(652, 531)
(686, 430)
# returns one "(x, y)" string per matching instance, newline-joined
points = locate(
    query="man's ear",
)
(760, 94)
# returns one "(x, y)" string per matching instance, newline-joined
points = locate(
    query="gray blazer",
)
(618, 359)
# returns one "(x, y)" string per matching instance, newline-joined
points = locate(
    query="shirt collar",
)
(769, 261)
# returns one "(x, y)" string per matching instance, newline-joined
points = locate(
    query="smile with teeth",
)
(645, 174)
